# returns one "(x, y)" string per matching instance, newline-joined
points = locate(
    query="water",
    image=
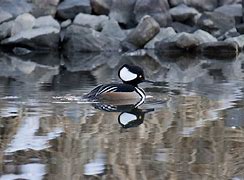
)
(189, 127)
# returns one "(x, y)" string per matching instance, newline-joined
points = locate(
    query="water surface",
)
(189, 127)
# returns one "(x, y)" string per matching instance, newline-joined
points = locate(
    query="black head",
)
(130, 74)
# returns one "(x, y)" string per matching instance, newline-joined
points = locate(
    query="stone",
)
(180, 27)
(182, 12)
(66, 23)
(240, 28)
(225, 2)
(46, 21)
(239, 40)
(68, 9)
(100, 7)
(203, 5)
(164, 35)
(122, 12)
(234, 10)
(5, 16)
(112, 29)
(44, 38)
(231, 33)
(158, 9)
(22, 23)
(83, 39)
(187, 41)
(216, 23)
(44, 7)
(204, 36)
(167, 47)
(5, 29)
(220, 47)
(143, 33)
(91, 21)
(16, 7)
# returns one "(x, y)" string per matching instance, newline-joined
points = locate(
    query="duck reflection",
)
(130, 116)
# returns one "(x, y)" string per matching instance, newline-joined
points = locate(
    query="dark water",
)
(189, 127)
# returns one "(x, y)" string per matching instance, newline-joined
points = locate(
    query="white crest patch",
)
(126, 75)
(125, 118)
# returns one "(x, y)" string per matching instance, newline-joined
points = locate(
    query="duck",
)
(131, 76)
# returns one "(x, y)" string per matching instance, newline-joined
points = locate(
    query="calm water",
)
(189, 127)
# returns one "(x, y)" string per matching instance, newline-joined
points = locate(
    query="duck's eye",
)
(140, 76)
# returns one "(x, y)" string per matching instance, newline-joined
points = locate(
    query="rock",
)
(180, 27)
(240, 28)
(68, 9)
(91, 21)
(187, 41)
(5, 16)
(239, 40)
(22, 23)
(204, 5)
(216, 23)
(122, 12)
(204, 36)
(66, 23)
(234, 10)
(46, 21)
(21, 51)
(83, 39)
(167, 47)
(44, 7)
(231, 33)
(144, 32)
(16, 7)
(182, 12)
(101, 6)
(44, 38)
(112, 29)
(5, 29)
(220, 47)
(224, 2)
(163, 35)
(158, 9)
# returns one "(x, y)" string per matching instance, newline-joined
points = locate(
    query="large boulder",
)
(122, 12)
(91, 21)
(101, 6)
(187, 41)
(143, 33)
(69, 8)
(225, 2)
(234, 10)
(5, 16)
(83, 39)
(182, 12)
(204, 37)
(203, 5)
(5, 29)
(44, 38)
(16, 7)
(158, 9)
(216, 23)
(181, 27)
(44, 7)
(46, 21)
(239, 40)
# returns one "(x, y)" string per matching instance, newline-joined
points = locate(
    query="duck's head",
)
(132, 75)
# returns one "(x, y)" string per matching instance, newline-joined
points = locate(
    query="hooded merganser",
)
(131, 77)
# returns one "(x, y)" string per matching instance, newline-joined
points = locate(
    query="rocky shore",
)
(69, 26)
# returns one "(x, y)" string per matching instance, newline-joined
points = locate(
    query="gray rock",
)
(83, 39)
(216, 23)
(225, 2)
(5, 29)
(239, 40)
(16, 7)
(44, 7)
(91, 21)
(42, 38)
(220, 47)
(112, 29)
(234, 10)
(101, 6)
(5, 16)
(46, 21)
(180, 27)
(165, 34)
(182, 12)
(204, 36)
(187, 41)
(66, 23)
(240, 28)
(231, 33)
(122, 11)
(22, 23)
(158, 9)
(69, 8)
(203, 5)
(143, 33)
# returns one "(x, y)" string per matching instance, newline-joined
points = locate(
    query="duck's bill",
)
(148, 81)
